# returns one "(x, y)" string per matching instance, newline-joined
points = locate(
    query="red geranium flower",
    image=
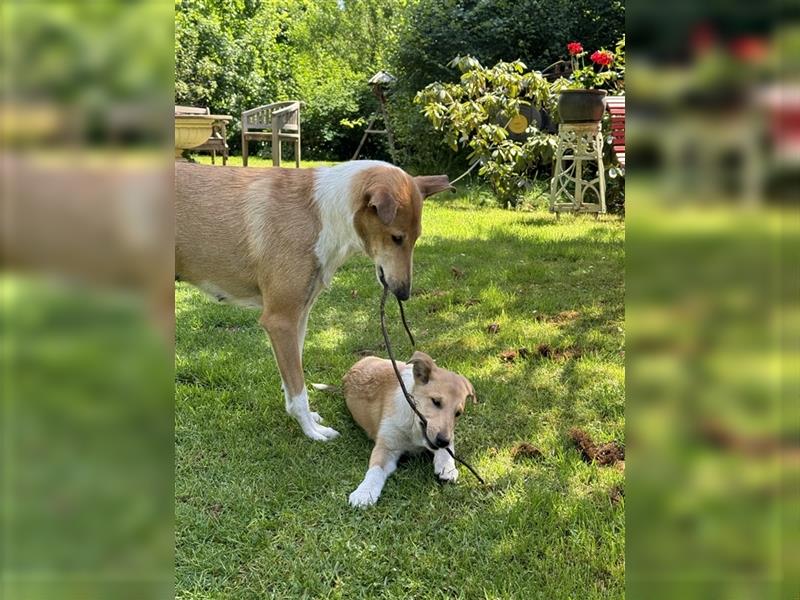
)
(749, 49)
(602, 57)
(574, 48)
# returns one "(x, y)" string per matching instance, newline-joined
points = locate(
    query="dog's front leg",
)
(284, 333)
(444, 466)
(382, 463)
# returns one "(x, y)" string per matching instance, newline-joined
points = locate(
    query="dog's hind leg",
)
(284, 333)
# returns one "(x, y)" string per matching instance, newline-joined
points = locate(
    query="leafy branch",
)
(475, 113)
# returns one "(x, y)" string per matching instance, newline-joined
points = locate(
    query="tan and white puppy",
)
(273, 239)
(378, 405)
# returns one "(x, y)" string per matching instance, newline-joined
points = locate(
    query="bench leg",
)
(244, 151)
(276, 148)
(297, 154)
(213, 156)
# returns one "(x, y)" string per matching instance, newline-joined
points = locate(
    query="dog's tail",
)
(328, 389)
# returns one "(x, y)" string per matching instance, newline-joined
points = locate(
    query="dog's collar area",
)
(409, 398)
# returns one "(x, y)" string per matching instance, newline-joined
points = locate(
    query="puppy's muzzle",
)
(441, 441)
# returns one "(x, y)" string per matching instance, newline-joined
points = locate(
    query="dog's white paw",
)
(319, 433)
(315, 416)
(449, 474)
(445, 468)
(363, 497)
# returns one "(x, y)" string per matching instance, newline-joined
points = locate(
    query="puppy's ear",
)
(470, 390)
(432, 184)
(423, 366)
(384, 204)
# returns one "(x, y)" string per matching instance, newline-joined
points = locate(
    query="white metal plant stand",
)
(579, 145)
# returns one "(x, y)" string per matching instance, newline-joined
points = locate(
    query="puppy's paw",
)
(445, 469)
(448, 475)
(361, 498)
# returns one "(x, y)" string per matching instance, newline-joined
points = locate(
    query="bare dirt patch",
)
(547, 351)
(605, 454)
(524, 450)
(512, 355)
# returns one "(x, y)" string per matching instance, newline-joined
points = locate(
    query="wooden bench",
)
(616, 107)
(782, 104)
(277, 122)
(218, 140)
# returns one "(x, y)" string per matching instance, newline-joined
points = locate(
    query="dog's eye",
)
(458, 413)
(397, 239)
(436, 402)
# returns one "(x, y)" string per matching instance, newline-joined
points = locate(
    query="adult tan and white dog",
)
(273, 239)
(378, 405)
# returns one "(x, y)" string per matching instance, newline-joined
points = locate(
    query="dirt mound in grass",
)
(604, 454)
(525, 450)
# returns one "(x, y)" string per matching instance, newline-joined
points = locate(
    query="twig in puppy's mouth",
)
(409, 398)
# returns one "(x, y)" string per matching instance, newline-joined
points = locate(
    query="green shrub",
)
(532, 31)
(474, 113)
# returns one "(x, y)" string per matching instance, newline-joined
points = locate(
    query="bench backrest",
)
(280, 115)
(616, 107)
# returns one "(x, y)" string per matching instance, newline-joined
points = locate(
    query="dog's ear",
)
(423, 365)
(470, 390)
(432, 184)
(384, 204)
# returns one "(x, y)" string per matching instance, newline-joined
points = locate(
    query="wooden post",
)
(364, 137)
(388, 128)
(244, 144)
(297, 143)
(276, 147)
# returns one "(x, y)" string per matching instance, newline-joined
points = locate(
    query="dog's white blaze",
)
(333, 192)
(403, 420)
(402, 429)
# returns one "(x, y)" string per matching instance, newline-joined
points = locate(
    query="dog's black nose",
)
(402, 292)
(442, 441)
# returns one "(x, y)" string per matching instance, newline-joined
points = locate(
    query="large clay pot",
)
(581, 106)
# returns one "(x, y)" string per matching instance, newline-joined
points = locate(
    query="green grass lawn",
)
(257, 161)
(262, 512)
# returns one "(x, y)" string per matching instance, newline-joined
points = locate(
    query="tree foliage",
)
(491, 31)
(232, 55)
(237, 54)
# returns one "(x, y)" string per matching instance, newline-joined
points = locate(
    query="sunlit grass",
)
(258, 161)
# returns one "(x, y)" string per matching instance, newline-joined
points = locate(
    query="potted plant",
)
(581, 101)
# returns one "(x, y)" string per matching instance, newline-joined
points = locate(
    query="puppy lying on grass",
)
(377, 404)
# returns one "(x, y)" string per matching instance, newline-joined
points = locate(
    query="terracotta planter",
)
(581, 106)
